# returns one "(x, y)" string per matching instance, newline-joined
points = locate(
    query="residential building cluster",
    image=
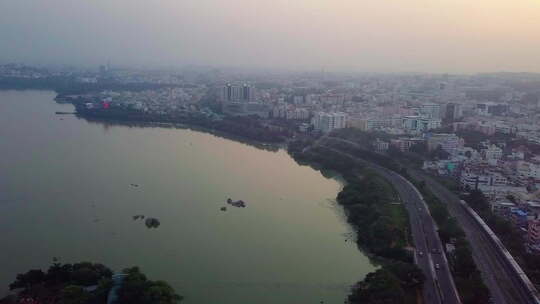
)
(507, 174)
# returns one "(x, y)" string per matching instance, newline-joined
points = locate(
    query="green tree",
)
(161, 292)
(58, 273)
(26, 280)
(86, 273)
(439, 213)
(464, 263)
(379, 287)
(73, 294)
(410, 275)
(478, 202)
(137, 289)
(383, 233)
(450, 229)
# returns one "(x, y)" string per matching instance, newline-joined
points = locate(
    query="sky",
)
(441, 36)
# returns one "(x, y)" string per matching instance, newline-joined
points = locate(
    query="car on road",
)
(437, 266)
(420, 253)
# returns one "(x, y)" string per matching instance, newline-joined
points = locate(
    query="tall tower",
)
(229, 92)
(246, 92)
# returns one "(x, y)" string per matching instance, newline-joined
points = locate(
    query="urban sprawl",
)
(480, 131)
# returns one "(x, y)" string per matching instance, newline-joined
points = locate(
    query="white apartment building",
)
(431, 110)
(419, 123)
(369, 124)
(527, 170)
(301, 114)
(448, 142)
(289, 112)
(298, 100)
(326, 122)
(381, 146)
(492, 152)
(479, 181)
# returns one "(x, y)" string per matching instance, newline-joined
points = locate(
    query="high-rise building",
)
(453, 111)
(247, 93)
(235, 93)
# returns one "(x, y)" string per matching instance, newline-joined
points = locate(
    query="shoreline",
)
(365, 196)
(269, 146)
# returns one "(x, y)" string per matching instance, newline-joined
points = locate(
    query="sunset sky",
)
(357, 35)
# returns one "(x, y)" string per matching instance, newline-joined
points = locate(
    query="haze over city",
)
(269, 151)
(455, 36)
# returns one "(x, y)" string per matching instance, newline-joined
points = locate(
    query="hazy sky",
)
(364, 35)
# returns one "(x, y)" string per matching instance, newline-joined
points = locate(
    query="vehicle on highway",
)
(437, 266)
(420, 253)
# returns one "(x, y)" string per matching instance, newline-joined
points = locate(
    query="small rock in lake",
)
(240, 203)
(152, 222)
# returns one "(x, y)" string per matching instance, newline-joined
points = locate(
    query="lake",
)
(65, 191)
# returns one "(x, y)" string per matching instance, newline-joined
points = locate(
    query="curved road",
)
(429, 255)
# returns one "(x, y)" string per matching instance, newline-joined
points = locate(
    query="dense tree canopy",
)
(379, 287)
(90, 283)
(137, 289)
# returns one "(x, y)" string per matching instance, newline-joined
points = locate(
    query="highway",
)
(439, 286)
(499, 278)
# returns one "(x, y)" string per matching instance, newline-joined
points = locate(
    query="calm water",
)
(65, 192)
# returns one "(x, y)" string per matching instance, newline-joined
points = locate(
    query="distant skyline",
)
(439, 36)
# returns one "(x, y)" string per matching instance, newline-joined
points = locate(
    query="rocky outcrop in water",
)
(239, 203)
(152, 222)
